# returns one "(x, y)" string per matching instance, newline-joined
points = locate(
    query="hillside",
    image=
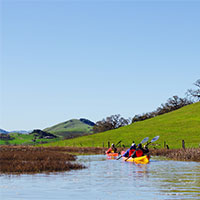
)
(21, 131)
(172, 127)
(24, 139)
(72, 128)
(3, 131)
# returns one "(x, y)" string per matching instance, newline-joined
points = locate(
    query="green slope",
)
(172, 127)
(24, 139)
(73, 127)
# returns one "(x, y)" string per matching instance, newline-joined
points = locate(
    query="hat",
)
(133, 146)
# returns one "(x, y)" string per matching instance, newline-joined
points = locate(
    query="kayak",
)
(112, 154)
(138, 160)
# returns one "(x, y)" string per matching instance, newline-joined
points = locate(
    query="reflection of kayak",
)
(138, 160)
(112, 154)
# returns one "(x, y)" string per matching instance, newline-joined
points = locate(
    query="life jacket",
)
(139, 153)
(126, 154)
(114, 150)
(109, 150)
(131, 152)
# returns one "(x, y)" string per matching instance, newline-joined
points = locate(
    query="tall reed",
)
(189, 154)
(35, 160)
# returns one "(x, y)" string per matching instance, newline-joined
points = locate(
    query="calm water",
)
(108, 179)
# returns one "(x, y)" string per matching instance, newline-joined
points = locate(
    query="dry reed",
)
(26, 159)
(189, 154)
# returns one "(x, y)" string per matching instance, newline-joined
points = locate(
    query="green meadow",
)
(24, 139)
(173, 127)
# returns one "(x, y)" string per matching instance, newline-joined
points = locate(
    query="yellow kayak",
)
(138, 160)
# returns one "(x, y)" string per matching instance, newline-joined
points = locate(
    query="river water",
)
(108, 179)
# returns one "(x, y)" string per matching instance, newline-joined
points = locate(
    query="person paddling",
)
(130, 151)
(112, 149)
(140, 151)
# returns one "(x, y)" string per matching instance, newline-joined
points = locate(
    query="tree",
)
(195, 94)
(112, 122)
(172, 103)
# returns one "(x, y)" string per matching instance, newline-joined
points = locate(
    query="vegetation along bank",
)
(26, 159)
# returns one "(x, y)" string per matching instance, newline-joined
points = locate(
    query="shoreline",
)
(188, 154)
(31, 160)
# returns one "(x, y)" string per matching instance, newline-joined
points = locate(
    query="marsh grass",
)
(79, 150)
(26, 159)
(189, 154)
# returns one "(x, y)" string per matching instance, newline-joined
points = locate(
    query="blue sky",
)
(91, 59)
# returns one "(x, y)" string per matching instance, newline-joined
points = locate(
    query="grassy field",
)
(24, 139)
(173, 127)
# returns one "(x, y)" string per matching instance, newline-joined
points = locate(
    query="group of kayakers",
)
(133, 151)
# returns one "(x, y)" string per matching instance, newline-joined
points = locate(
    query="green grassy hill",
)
(71, 128)
(173, 127)
(24, 139)
(68, 129)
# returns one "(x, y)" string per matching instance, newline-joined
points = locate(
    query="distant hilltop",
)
(72, 128)
(3, 131)
(86, 121)
(19, 131)
(68, 129)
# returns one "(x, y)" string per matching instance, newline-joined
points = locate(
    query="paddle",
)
(153, 140)
(143, 141)
(118, 143)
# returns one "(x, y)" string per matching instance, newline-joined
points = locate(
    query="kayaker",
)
(145, 150)
(112, 149)
(140, 151)
(130, 151)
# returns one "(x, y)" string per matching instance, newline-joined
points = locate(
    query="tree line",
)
(173, 103)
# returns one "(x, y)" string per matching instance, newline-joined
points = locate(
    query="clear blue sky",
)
(91, 59)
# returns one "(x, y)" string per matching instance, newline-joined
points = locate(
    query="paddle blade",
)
(144, 140)
(155, 138)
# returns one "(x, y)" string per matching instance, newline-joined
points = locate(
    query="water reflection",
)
(180, 179)
(109, 179)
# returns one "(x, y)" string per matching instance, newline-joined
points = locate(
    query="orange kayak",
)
(112, 154)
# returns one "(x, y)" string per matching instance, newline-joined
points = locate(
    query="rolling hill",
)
(173, 127)
(3, 131)
(72, 128)
(24, 139)
(69, 129)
